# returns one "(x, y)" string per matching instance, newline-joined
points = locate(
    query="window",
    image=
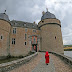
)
(13, 40)
(34, 30)
(55, 37)
(42, 21)
(25, 43)
(24, 24)
(34, 40)
(1, 37)
(33, 25)
(15, 23)
(14, 30)
(25, 29)
(25, 36)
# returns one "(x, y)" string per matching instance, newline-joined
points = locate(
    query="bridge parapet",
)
(63, 57)
(5, 67)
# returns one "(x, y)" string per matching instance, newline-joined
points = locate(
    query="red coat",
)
(47, 57)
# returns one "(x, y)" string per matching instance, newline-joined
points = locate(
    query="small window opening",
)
(25, 43)
(55, 37)
(42, 21)
(25, 36)
(13, 41)
(1, 37)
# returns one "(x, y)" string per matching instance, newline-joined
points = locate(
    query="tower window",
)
(25, 43)
(25, 36)
(13, 41)
(1, 37)
(42, 21)
(55, 37)
(14, 30)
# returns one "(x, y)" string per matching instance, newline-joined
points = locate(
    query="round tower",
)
(51, 36)
(5, 28)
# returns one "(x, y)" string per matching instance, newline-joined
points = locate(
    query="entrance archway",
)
(34, 46)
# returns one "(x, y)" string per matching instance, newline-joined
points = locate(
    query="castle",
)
(18, 37)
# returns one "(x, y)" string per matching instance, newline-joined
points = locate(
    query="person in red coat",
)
(47, 58)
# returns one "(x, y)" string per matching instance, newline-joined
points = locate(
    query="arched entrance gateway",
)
(34, 41)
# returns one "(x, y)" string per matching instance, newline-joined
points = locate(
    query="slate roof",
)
(4, 16)
(15, 23)
(48, 15)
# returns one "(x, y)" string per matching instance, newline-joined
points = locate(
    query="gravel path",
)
(42, 67)
(38, 65)
(60, 66)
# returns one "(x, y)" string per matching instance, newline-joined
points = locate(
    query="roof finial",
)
(43, 13)
(47, 9)
(5, 11)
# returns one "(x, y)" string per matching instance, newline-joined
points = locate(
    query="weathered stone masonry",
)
(18, 38)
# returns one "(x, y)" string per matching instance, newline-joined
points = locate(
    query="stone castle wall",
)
(20, 48)
(51, 37)
(4, 41)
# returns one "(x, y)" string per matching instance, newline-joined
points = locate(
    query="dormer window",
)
(24, 24)
(34, 30)
(15, 23)
(33, 25)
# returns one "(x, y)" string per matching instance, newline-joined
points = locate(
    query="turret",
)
(51, 36)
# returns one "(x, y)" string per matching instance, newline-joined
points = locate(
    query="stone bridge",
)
(36, 63)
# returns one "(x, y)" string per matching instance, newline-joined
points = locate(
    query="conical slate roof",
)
(47, 15)
(4, 16)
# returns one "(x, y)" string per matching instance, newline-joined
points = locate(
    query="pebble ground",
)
(42, 67)
(28, 67)
(38, 65)
(60, 65)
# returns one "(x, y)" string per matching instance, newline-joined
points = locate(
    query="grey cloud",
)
(31, 10)
(21, 9)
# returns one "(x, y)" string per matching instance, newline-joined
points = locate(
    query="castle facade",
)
(18, 37)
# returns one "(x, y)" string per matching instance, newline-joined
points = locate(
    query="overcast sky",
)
(31, 10)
